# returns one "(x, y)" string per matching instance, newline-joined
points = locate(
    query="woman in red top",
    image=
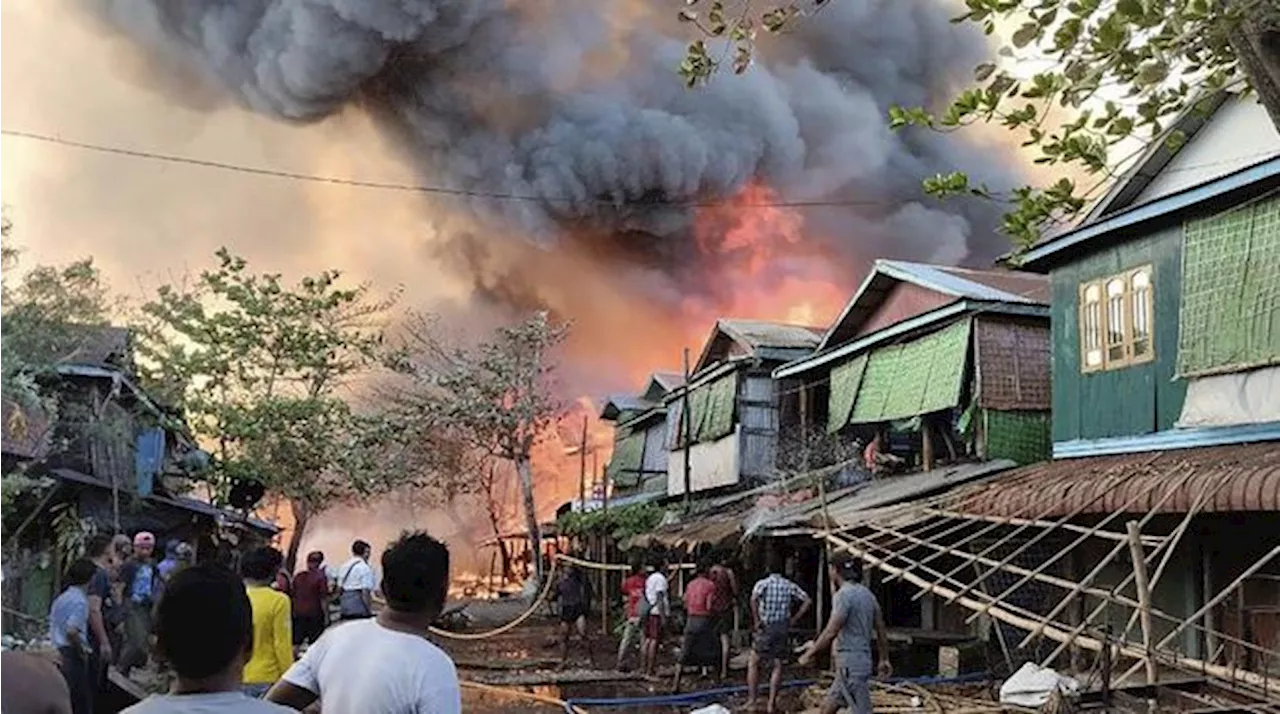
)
(632, 591)
(701, 646)
(310, 600)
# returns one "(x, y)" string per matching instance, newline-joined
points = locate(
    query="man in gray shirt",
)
(854, 615)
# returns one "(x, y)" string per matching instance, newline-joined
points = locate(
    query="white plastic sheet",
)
(1032, 685)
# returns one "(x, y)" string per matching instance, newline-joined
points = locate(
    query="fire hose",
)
(537, 602)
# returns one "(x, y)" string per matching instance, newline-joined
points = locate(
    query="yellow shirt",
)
(272, 636)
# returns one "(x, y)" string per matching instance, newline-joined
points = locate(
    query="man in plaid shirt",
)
(771, 601)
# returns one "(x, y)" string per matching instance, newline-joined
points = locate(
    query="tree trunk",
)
(301, 516)
(524, 469)
(1256, 41)
(491, 507)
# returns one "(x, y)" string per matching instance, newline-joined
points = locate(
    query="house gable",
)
(897, 290)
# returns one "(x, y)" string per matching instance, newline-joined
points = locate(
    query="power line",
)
(416, 188)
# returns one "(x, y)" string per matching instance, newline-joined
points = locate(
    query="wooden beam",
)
(1147, 540)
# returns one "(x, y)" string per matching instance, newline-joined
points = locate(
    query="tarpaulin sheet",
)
(1251, 397)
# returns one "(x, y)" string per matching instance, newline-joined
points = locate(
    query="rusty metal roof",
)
(1237, 478)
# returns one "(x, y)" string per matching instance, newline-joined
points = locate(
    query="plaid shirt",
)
(775, 595)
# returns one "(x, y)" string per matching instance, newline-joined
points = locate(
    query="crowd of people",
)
(776, 605)
(258, 640)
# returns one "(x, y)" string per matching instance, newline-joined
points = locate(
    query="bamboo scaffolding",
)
(1054, 632)
(1148, 540)
(1110, 556)
(1072, 546)
(1165, 550)
(1044, 532)
(1213, 602)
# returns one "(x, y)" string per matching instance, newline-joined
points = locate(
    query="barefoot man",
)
(855, 614)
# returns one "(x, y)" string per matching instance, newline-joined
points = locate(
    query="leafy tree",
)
(47, 317)
(497, 396)
(1122, 70)
(261, 368)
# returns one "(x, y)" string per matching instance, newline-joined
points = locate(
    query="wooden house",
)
(732, 427)
(113, 460)
(638, 466)
(932, 363)
(1166, 374)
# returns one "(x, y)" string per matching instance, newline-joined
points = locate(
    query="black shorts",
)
(571, 613)
(307, 628)
(770, 642)
(722, 622)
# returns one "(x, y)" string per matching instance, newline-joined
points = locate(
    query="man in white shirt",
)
(656, 608)
(204, 632)
(384, 665)
(356, 584)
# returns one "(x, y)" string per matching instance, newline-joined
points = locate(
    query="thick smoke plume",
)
(561, 124)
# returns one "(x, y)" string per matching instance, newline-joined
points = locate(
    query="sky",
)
(148, 222)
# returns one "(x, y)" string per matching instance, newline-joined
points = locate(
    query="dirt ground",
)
(535, 647)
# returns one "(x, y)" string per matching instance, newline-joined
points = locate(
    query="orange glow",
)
(761, 266)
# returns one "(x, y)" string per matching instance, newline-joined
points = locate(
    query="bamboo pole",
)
(684, 428)
(1051, 631)
(1144, 595)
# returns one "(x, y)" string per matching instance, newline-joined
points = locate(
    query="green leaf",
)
(1026, 34)
(984, 70)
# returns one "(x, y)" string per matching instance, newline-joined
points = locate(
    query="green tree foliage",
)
(496, 396)
(1121, 71)
(43, 316)
(620, 523)
(262, 370)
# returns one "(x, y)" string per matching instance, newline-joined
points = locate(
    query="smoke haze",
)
(569, 130)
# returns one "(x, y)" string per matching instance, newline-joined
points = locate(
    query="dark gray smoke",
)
(571, 111)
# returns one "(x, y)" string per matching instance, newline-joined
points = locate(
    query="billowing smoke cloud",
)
(561, 123)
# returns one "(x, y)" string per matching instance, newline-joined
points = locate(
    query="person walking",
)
(632, 592)
(573, 592)
(384, 665)
(310, 600)
(655, 608)
(701, 646)
(204, 633)
(102, 607)
(69, 633)
(726, 596)
(356, 583)
(855, 615)
(141, 591)
(772, 617)
(272, 652)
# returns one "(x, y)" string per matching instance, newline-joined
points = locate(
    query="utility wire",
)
(416, 188)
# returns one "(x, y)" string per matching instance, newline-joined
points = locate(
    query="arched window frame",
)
(1117, 320)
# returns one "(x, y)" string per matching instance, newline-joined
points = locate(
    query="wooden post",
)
(684, 421)
(926, 444)
(582, 467)
(1206, 587)
(1144, 594)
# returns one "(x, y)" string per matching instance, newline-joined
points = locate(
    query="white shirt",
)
(655, 591)
(364, 667)
(214, 703)
(356, 574)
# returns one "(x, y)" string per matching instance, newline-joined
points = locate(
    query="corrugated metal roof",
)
(757, 334)
(616, 404)
(1249, 475)
(961, 283)
(845, 507)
